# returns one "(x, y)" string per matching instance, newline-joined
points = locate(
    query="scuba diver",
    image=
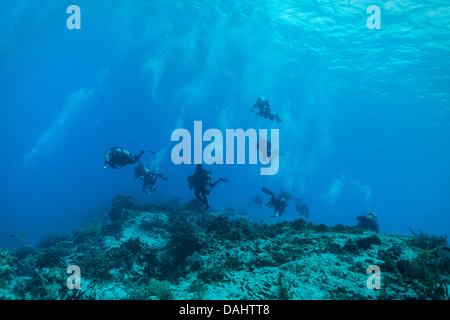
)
(278, 202)
(257, 201)
(149, 178)
(267, 149)
(302, 208)
(262, 108)
(368, 221)
(118, 156)
(200, 182)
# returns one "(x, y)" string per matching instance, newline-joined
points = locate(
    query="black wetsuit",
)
(263, 108)
(200, 182)
(367, 223)
(118, 156)
(278, 202)
(149, 178)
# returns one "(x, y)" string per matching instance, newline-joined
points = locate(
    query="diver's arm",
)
(160, 175)
(218, 180)
(214, 184)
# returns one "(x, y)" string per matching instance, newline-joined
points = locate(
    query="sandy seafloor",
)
(167, 251)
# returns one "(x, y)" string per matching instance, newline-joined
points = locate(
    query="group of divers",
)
(201, 183)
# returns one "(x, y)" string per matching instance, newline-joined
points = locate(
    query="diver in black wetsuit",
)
(148, 177)
(118, 156)
(257, 201)
(302, 208)
(262, 108)
(278, 202)
(267, 149)
(200, 182)
(368, 221)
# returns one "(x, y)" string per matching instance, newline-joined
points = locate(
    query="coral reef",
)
(120, 205)
(169, 251)
(425, 241)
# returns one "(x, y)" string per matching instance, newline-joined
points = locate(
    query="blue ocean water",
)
(366, 112)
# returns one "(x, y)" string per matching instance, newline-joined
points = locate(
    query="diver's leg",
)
(135, 158)
(197, 194)
(144, 188)
(205, 200)
(277, 118)
(139, 155)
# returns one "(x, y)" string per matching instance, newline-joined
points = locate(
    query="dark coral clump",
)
(219, 224)
(120, 204)
(134, 245)
(321, 228)
(299, 224)
(392, 253)
(183, 243)
(366, 243)
(351, 247)
(212, 274)
(193, 205)
(49, 258)
(237, 229)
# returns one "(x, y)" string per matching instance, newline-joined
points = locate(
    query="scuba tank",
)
(207, 185)
(190, 180)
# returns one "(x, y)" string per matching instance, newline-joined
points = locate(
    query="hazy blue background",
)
(366, 113)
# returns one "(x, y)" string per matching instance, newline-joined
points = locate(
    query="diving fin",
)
(265, 190)
(152, 152)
